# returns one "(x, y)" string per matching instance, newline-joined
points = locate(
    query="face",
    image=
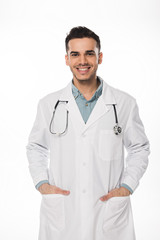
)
(83, 58)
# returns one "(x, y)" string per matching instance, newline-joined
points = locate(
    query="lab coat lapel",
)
(72, 107)
(102, 106)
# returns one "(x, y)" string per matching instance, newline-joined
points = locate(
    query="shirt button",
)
(86, 104)
(84, 191)
(84, 164)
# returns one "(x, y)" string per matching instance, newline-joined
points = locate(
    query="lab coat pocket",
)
(52, 211)
(116, 214)
(110, 145)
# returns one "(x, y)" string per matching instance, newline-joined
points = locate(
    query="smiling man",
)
(76, 151)
(83, 57)
(84, 62)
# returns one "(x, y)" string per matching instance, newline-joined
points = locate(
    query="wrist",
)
(126, 192)
(43, 188)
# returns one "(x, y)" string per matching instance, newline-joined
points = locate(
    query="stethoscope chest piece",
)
(117, 129)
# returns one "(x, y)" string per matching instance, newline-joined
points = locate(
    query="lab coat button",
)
(84, 191)
(84, 164)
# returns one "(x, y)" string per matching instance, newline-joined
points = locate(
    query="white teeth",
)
(83, 69)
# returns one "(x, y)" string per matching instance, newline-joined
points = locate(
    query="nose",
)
(83, 60)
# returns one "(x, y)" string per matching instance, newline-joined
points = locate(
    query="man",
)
(83, 129)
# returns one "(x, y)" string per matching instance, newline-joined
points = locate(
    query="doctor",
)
(76, 151)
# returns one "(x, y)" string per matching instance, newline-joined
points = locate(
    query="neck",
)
(87, 87)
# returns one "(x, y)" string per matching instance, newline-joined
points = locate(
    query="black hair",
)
(81, 32)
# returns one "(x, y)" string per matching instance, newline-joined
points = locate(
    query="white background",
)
(32, 35)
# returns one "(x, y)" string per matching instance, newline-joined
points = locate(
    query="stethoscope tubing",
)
(117, 129)
(50, 125)
(115, 114)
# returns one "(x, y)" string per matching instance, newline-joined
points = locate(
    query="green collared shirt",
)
(86, 107)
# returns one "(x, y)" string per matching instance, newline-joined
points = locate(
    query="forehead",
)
(82, 44)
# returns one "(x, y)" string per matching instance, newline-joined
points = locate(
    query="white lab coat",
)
(88, 160)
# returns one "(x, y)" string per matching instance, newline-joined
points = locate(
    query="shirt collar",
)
(97, 93)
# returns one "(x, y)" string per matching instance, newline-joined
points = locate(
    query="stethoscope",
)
(50, 125)
(117, 129)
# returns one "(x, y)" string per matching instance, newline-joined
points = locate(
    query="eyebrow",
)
(88, 51)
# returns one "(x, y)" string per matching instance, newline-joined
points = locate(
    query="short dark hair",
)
(81, 32)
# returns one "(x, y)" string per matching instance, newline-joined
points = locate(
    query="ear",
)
(67, 59)
(100, 58)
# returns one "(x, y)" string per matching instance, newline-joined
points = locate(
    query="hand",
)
(46, 188)
(117, 192)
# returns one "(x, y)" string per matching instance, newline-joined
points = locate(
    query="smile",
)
(83, 70)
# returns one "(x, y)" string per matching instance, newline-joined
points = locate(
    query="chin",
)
(83, 78)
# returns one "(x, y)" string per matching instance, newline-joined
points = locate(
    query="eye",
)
(90, 53)
(74, 54)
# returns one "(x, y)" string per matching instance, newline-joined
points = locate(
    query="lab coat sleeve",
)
(40, 183)
(127, 187)
(138, 149)
(38, 148)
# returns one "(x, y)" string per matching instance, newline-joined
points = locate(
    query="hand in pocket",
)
(46, 188)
